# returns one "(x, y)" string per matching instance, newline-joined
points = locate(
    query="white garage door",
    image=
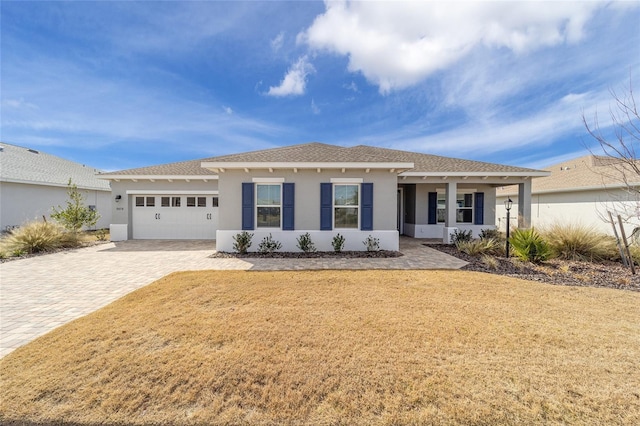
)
(175, 217)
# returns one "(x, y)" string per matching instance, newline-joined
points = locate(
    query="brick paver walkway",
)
(41, 293)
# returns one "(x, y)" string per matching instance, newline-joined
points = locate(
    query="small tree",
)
(76, 214)
(619, 146)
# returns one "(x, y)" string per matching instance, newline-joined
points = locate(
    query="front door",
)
(400, 210)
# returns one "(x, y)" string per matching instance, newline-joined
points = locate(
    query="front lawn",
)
(328, 347)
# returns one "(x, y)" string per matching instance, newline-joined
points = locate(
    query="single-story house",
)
(32, 182)
(582, 190)
(317, 188)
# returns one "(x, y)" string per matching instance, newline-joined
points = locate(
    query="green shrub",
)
(76, 214)
(242, 242)
(338, 243)
(459, 236)
(101, 235)
(269, 245)
(529, 246)
(478, 247)
(490, 234)
(36, 237)
(490, 261)
(372, 244)
(577, 242)
(305, 244)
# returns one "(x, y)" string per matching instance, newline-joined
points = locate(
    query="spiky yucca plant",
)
(478, 247)
(529, 246)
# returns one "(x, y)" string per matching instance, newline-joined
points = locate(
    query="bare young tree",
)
(621, 145)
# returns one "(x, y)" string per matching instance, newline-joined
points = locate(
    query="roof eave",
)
(532, 174)
(260, 165)
(117, 177)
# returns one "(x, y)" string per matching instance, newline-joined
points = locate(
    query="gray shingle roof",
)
(588, 172)
(24, 165)
(316, 152)
(436, 163)
(182, 168)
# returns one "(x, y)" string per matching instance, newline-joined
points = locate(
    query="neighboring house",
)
(316, 188)
(32, 182)
(581, 191)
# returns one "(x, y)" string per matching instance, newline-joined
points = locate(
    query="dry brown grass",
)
(383, 347)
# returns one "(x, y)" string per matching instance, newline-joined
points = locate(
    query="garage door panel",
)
(173, 219)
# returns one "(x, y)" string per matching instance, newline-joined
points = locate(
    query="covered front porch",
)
(436, 209)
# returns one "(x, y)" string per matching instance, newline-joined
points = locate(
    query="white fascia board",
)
(56, 185)
(157, 177)
(476, 174)
(292, 165)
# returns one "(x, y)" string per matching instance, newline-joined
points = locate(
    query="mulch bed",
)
(555, 271)
(312, 255)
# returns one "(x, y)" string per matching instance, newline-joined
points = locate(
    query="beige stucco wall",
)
(583, 207)
(307, 196)
(307, 209)
(20, 203)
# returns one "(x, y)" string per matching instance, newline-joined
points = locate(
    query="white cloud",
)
(228, 110)
(397, 44)
(276, 43)
(295, 81)
(314, 108)
(351, 86)
(500, 134)
(19, 104)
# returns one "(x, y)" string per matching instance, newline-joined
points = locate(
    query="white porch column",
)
(524, 204)
(451, 204)
(451, 208)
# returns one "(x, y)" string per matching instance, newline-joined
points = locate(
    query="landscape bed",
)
(336, 347)
(554, 271)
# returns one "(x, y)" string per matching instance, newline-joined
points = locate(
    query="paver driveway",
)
(41, 293)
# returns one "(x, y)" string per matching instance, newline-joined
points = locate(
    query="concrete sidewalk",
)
(41, 293)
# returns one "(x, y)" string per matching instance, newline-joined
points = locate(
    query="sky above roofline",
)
(119, 85)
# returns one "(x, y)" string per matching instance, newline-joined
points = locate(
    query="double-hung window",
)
(464, 208)
(346, 205)
(268, 205)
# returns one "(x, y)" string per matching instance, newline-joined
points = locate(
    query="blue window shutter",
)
(288, 205)
(247, 206)
(432, 218)
(326, 206)
(478, 206)
(366, 207)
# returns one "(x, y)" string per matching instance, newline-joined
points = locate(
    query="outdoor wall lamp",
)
(507, 205)
(118, 198)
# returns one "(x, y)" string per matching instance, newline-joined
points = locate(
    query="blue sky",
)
(117, 85)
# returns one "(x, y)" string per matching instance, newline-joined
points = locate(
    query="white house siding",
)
(122, 210)
(588, 208)
(307, 208)
(21, 202)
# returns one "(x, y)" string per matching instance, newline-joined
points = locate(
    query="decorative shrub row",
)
(243, 240)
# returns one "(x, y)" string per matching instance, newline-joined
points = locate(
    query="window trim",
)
(145, 201)
(334, 206)
(273, 182)
(471, 208)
